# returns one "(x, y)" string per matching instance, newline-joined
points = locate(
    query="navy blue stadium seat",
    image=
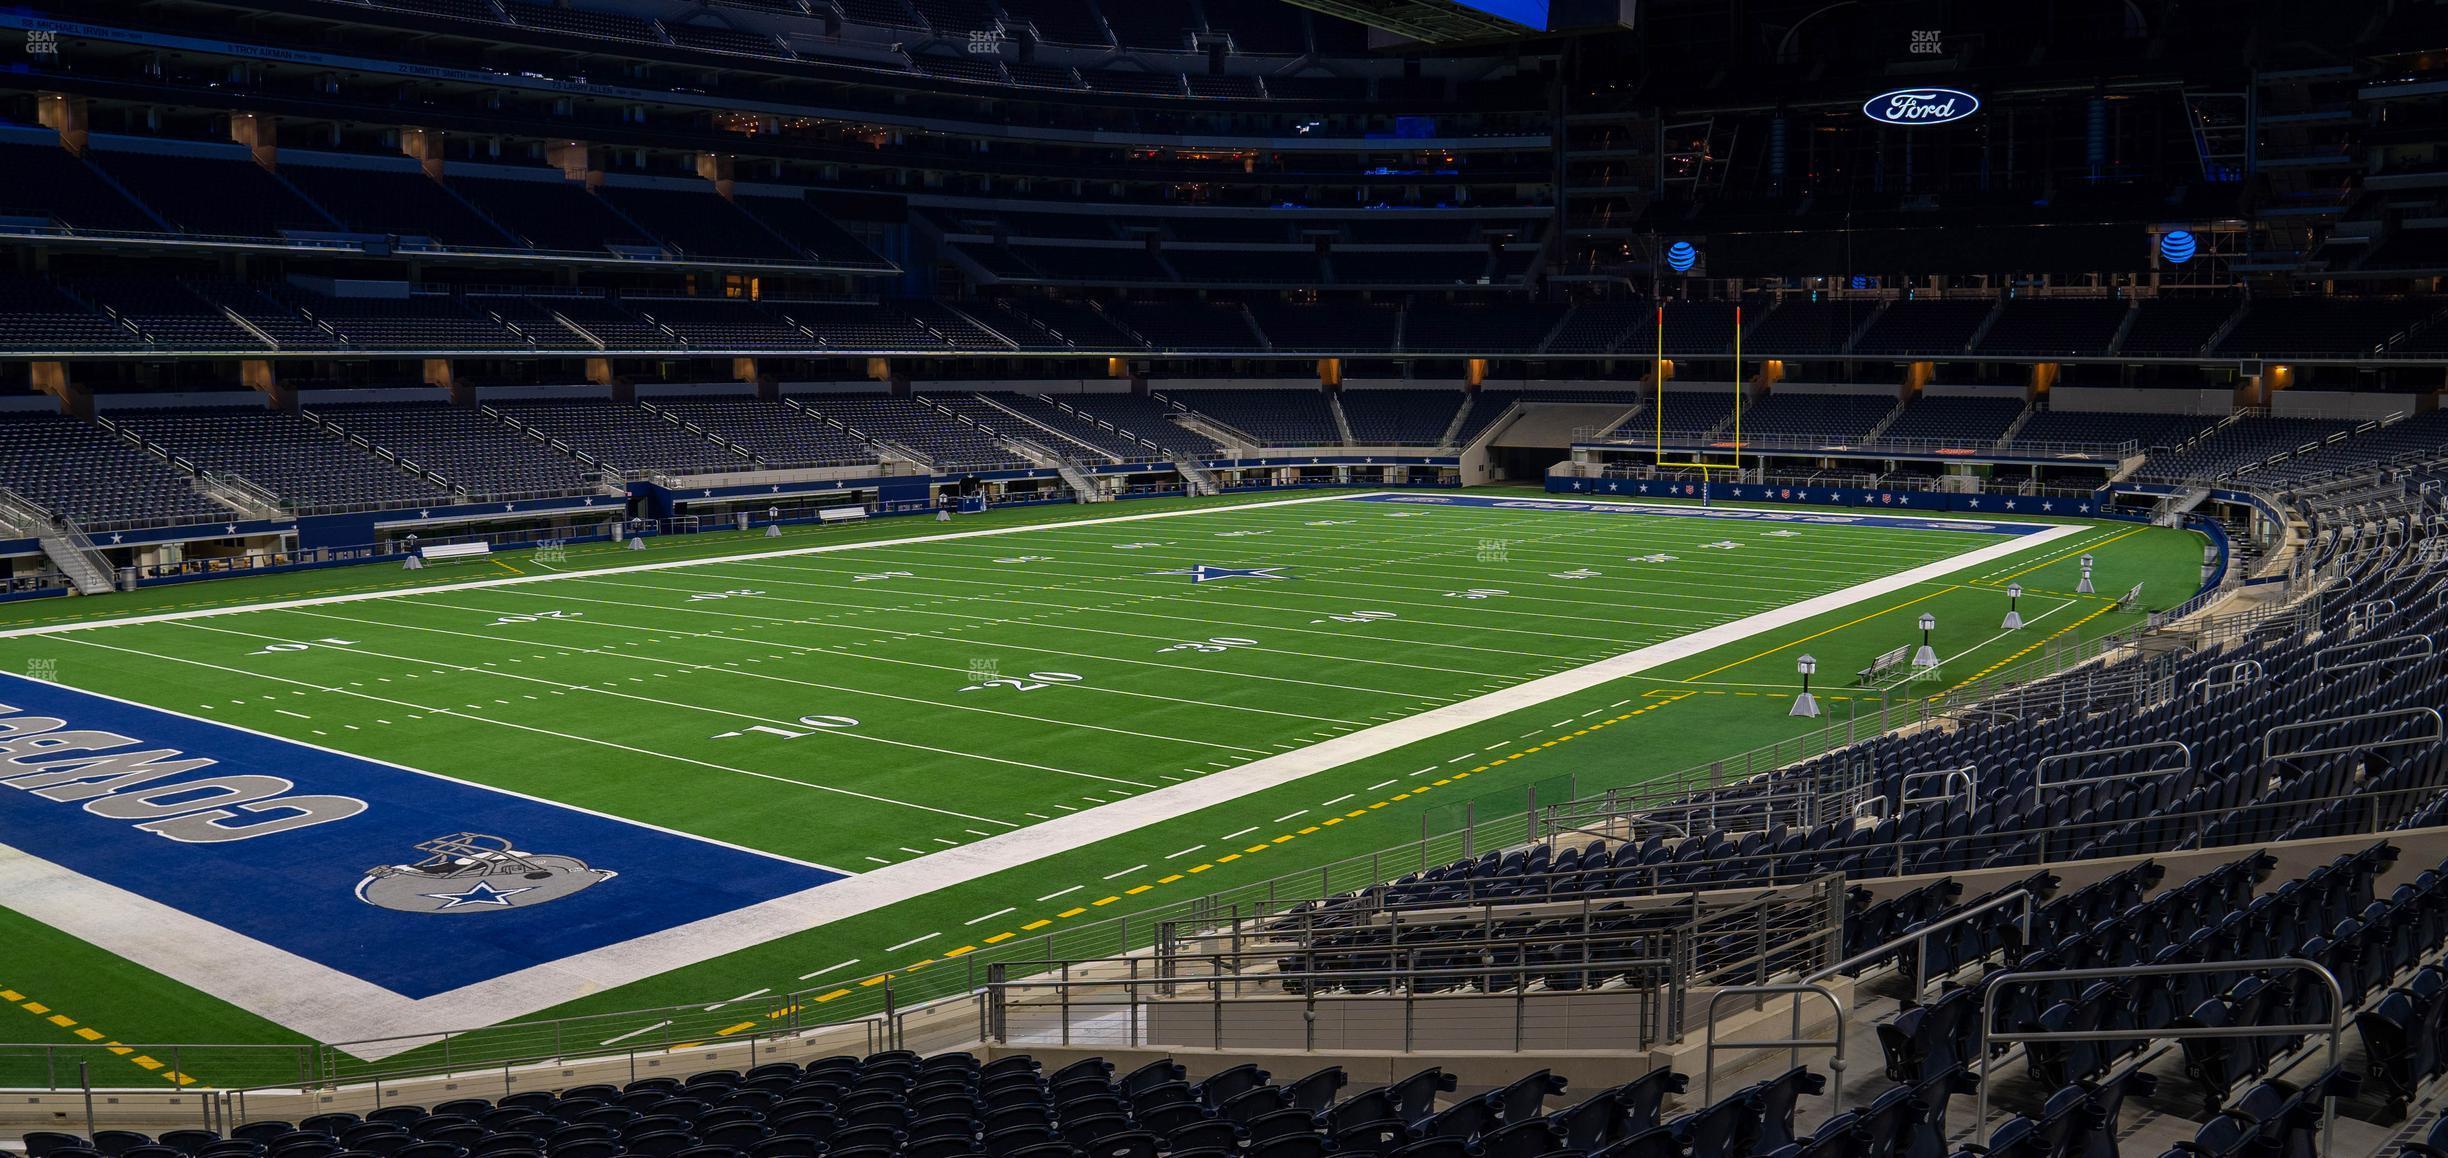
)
(1383, 1136)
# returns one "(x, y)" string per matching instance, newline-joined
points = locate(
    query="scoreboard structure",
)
(1474, 21)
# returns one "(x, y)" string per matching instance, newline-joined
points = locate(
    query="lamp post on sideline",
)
(1927, 656)
(1806, 704)
(2084, 587)
(2014, 607)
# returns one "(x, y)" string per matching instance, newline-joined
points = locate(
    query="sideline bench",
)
(840, 514)
(1886, 662)
(442, 551)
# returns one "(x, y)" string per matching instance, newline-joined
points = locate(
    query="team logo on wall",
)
(470, 872)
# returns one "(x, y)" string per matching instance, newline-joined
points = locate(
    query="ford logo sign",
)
(1921, 106)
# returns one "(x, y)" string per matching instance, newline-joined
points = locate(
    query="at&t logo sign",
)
(1921, 106)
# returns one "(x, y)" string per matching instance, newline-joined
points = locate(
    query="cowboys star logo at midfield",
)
(1206, 573)
(470, 872)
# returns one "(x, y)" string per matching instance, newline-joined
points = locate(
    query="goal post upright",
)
(1657, 375)
(1657, 378)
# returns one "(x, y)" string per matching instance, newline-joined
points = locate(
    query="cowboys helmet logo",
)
(469, 872)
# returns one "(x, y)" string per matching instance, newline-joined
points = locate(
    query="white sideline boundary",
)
(370, 1022)
(662, 565)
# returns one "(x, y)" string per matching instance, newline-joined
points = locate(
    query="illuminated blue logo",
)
(2176, 246)
(1680, 256)
(1921, 106)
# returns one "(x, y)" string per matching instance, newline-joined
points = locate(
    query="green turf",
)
(619, 706)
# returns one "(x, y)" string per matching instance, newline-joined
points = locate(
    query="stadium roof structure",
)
(1426, 21)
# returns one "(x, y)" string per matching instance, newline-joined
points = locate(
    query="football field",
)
(741, 768)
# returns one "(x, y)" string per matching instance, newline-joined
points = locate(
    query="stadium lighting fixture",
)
(1806, 704)
(2084, 587)
(1927, 656)
(2014, 607)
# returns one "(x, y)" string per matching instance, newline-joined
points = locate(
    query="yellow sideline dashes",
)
(88, 1033)
(1523, 753)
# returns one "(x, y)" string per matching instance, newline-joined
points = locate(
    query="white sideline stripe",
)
(634, 568)
(370, 1022)
(634, 1033)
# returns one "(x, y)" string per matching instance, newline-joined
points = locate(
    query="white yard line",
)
(719, 669)
(1314, 589)
(1048, 620)
(1581, 544)
(566, 597)
(459, 715)
(634, 568)
(837, 733)
(969, 641)
(334, 1007)
(2027, 624)
(635, 1033)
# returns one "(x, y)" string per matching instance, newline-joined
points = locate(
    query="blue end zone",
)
(1893, 522)
(300, 848)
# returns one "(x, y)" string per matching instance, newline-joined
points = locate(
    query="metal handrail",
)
(2021, 681)
(1972, 450)
(1000, 995)
(1424, 850)
(2335, 1029)
(1760, 865)
(2439, 731)
(1795, 1043)
(2428, 650)
(1968, 776)
(2041, 766)
(2363, 616)
(2233, 674)
(1919, 936)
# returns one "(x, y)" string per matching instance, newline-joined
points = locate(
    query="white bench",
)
(840, 514)
(1886, 662)
(442, 551)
